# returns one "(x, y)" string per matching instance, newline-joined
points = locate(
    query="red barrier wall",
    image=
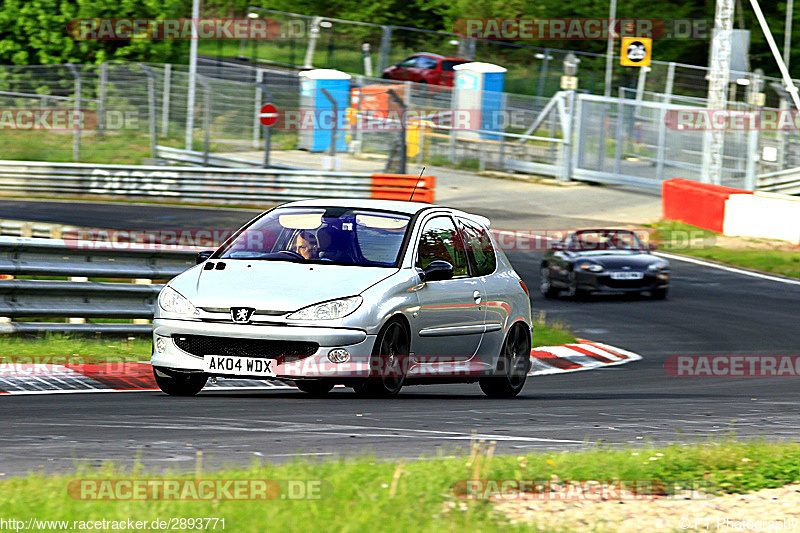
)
(695, 203)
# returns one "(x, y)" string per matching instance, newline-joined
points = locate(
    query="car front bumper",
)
(602, 282)
(358, 344)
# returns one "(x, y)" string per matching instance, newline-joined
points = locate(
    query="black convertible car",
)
(602, 260)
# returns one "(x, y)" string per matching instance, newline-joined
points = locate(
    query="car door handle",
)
(477, 297)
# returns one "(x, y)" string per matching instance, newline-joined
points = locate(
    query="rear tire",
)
(180, 383)
(514, 364)
(390, 357)
(315, 387)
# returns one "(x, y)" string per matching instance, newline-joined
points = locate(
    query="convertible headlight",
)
(172, 301)
(592, 267)
(657, 267)
(330, 310)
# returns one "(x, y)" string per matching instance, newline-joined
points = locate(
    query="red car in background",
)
(427, 68)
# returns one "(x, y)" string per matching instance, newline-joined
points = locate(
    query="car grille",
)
(201, 345)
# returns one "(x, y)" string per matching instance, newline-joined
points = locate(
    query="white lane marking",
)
(342, 430)
(728, 268)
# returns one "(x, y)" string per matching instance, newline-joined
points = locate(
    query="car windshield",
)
(602, 240)
(322, 235)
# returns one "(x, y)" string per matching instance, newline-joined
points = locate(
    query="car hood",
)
(274, 285)
(615, 260)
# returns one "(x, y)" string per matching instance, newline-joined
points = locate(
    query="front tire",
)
(390, 357)
(659, 294)
(513, 364)
(180, 383)
(546, 283)
(315, 387)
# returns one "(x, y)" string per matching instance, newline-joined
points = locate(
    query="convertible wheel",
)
(319, 387)
(389, 357)
(659, 294)
(572, 288)
(546, 284)
(514, 363)
(180, 383)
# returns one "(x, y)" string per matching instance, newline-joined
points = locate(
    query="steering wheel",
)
(292, 253)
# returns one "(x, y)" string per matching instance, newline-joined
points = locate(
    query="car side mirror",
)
(558, 245)
(437, 271)
(652, 246)
(203, 256)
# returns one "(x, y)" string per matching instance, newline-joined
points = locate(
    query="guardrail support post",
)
(77, 320)
(142, 281)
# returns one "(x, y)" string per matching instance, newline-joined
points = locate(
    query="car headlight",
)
(592, 267)
(657, 267)
(172, 301)
(330, 310)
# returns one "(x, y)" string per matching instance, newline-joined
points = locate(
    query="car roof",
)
(439, 56)
(410, 208)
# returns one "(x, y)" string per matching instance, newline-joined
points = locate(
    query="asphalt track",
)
(709, 312)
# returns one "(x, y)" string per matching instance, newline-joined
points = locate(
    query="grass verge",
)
(416, 495)
(85, 349)
(750, 253)
(100, 349)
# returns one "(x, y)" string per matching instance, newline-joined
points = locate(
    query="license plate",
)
(247, 366)
(627, 275)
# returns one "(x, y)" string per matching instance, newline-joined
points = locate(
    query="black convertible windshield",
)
(322, 234)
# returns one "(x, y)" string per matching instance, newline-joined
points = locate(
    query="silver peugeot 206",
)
(370, 294)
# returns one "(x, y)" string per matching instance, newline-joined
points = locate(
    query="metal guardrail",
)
(37, 298)
(783, 181)
(192, 157)
(201, 184)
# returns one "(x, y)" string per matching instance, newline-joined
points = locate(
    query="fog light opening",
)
(339, 355)
(161, 344)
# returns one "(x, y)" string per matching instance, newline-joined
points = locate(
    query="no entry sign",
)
(268, 115)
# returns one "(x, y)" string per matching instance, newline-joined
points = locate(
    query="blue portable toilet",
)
(479, 87)
(315, 135)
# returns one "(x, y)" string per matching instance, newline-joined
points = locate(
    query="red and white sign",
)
(268, 115)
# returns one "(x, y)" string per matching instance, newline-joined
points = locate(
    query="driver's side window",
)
(440, 241)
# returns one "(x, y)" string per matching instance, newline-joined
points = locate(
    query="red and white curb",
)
(31, 379)
(584, 355)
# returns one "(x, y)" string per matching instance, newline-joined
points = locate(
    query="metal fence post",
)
(752, 159)
(386, 48)
(76, 141)
(101, 104)
(151, 108)
(335, 128)
(165, 100)
(308, 62)
(403, 147)
(662, 126)
(566, 169)
(206, 117)
(257, 106)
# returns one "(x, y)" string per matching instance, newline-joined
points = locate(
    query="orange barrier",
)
(400, 186)
(695, 203)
